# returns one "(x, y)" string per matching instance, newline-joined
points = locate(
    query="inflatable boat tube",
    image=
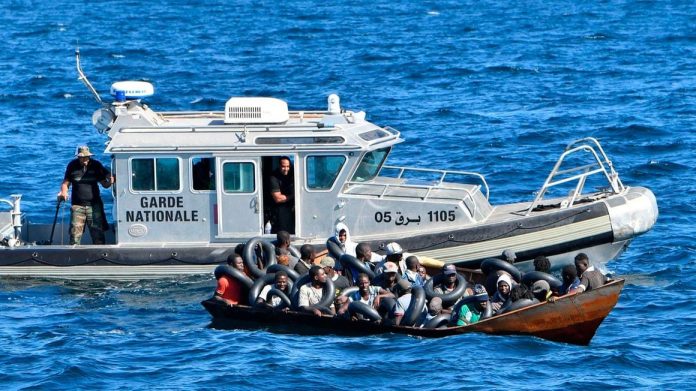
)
(335, 250)
(387, 306)
(349, 291)
(358, 307)
(284, 299)
(521, 303)
(229, 271)
(257, 287)
(438, 322)
(348, 260)
(487, 313)
(326, 299)
(493, 264)
(276, 267)
(415, 307)
(530, 278)
(448, 298)
(249, 256)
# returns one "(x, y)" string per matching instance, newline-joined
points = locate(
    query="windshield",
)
(370, 165)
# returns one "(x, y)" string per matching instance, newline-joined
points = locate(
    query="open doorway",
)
(279, 193)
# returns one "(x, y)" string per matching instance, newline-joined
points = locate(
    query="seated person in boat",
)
(280, 283)
(542, 264)
(541, 290)
(520, 291)
(434, 309)
(311, 293)
(392, 283)
(282, 184)
(340, 282)
(471, 312)
(368, 294)
(85, 175)
(411, 273)
(229, 289)
(423, 273)
(502, 294)
(570, 279)
(363, 253)
(590, 278)
(283, 243)
(306, 260)
(342, 239)
(282, 257)
(395, 254)
(508, 256)
(448, 284)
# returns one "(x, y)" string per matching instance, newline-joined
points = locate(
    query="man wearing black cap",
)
(85, 174)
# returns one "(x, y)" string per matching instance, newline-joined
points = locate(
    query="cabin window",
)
(203, 173)
(155, 174)
(238, 177)
(372, 135)
(322, 171)
(370, 165)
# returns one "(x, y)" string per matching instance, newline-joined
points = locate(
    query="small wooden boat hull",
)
(571, 319)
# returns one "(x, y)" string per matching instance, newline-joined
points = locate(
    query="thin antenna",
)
(83, 78)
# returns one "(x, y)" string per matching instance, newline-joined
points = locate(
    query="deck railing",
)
(600, 165)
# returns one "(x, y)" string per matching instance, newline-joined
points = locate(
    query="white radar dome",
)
(131, 90)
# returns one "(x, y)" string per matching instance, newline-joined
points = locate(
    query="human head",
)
(412, 263)
(328, 263)
(435, 306)
(541, 289)
(236, 261)
(481, 296)
(450, 273)
(582, 262)
(542, 264)
(422, 272)
(307, 252)
(394, 252)
(285, 165)
(283, 239)
(317, 275)
(509, 256)
(504, 285)
(342, 236)
(363, 252)
(569, 274)
(390, 270)
(363, 282)
(83, 154)
(281, 280)
(520, 291)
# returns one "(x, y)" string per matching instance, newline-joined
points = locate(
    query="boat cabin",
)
(203, 177)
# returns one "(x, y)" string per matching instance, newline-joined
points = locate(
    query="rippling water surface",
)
(477, 86)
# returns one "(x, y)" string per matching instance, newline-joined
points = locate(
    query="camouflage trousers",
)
(93, 217)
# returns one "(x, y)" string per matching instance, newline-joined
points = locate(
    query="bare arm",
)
(63, 194)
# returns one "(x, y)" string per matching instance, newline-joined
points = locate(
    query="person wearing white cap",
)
(85, 174)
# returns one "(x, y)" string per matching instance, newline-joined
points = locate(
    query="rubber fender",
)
(249, 256)
(490, 265)
(284, 299)
(294, 252)
(448, 298)
(358, 307)
(335, 250)
(530, 278)
(521, 303)
(415, 307)
(439, 321)
(349, 291)
(227, 270)
(348, 260)
(276, 267)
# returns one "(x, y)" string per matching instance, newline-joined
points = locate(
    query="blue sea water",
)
(495, 87)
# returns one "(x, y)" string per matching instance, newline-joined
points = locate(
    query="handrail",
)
(601, 166)
(16, 215)
(443, 174)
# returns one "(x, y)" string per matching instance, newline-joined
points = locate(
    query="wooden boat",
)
(571, 319)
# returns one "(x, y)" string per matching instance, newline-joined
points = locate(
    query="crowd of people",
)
(383, 286)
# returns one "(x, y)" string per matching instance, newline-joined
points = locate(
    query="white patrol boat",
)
(192, 185)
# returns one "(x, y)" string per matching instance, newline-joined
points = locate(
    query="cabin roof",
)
(207, 132)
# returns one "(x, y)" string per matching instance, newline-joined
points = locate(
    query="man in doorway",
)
(283, 194)
(85, 174)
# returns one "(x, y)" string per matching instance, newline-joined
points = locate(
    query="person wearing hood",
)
(342, 239)
(502, 295)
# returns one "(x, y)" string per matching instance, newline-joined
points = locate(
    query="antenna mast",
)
(83, 78)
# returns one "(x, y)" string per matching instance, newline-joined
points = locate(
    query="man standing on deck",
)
(84, 175)
(283, 194)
